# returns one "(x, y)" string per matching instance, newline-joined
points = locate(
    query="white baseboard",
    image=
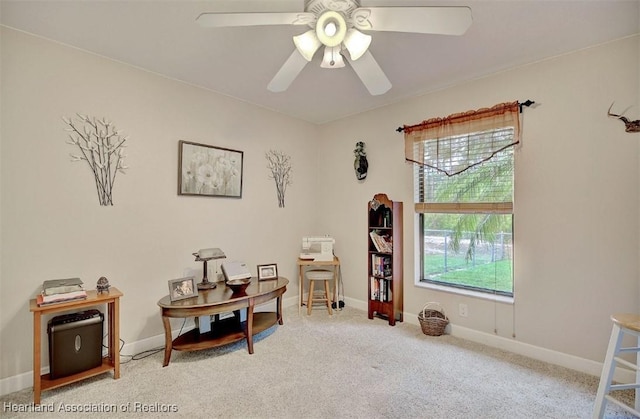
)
(622, 375)
(25, 380)
(587, 366)
(18, 382)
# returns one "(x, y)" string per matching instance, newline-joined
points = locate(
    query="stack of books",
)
(382, 243)
(61, 291)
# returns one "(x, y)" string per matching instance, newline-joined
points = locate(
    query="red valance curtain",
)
(459, 141)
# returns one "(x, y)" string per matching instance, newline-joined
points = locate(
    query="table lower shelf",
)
(223, 332)
(47, 383)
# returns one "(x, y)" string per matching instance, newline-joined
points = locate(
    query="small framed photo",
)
(182, 288)
(267, 271)
(205, 170)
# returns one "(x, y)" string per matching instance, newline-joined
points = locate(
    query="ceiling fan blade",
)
(372, 76)
(222, 20)
(432, 20)
(287, 73)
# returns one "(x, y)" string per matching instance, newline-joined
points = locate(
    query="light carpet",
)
(322, 366)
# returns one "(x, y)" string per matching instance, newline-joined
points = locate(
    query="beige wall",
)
(577, 216)
(576, 198)
(52, 225)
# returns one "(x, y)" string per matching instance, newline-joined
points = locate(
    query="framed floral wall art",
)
(205, 170)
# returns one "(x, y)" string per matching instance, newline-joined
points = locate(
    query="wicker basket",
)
(433, 320)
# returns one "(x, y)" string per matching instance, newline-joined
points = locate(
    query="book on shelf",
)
(381, 289)
(61, 286)
(384, 289)
(61, 290)
(380, 265)
(382, 243)
(60, 298)
(375, 288)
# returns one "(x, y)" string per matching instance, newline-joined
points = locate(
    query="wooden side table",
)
(109, 363)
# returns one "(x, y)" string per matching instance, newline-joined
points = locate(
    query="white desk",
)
(307, 263)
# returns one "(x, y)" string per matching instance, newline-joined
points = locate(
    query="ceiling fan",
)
(337, 25)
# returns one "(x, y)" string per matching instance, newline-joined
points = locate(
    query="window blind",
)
(465, 161)
(486, 187)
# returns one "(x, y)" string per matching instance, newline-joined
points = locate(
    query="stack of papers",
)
(61, 290)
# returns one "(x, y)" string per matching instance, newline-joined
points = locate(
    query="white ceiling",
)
(163, 37)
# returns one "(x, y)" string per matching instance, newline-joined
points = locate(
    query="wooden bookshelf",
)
(384, 259)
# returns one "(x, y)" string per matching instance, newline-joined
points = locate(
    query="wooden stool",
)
(624, 323)
(319, 275)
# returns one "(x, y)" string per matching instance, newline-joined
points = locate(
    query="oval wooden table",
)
(222, 300)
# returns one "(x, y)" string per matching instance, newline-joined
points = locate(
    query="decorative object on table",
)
(102, 285)
(280, 166)
(182, 288)
(61, 291)
(235, 270)
(101, 145)
(432, 319)
(361, 165)
(269, 271)
(239, 285)
(631, 126)
(205, 170)
(205, 255)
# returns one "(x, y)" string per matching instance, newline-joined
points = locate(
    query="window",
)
(464, 184)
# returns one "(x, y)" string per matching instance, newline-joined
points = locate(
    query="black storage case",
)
(75, 342)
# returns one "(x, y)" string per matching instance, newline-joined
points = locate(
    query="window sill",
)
(467, 293)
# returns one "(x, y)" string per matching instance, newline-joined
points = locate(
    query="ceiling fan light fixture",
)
(307, 44)
(331, 28)
(332, 58)
(336, 24)
(356, 43)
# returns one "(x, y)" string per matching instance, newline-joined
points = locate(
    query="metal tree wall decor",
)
(101, 145)
(280, 166)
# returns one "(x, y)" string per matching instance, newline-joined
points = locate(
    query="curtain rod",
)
(526, 103)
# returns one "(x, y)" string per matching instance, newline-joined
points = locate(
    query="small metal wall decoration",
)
(360, 164)
(630, 126)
